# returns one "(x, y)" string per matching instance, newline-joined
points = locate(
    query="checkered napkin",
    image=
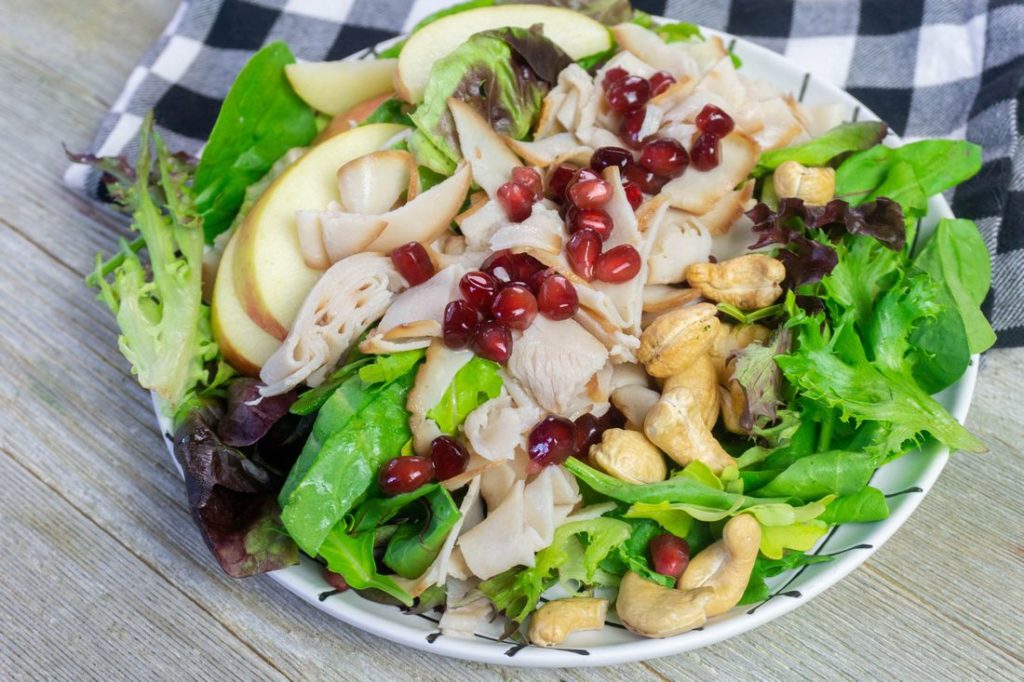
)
(930, 68)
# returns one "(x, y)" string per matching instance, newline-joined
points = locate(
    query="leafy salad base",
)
(903, 481)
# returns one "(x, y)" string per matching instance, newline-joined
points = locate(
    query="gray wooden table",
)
(104, 576)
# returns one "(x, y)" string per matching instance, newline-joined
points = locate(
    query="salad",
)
(541, 302)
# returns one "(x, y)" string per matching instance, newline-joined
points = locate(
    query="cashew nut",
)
(734, 337)
(733, 401)
(702, 380)
(815, 186)
(725, 565)
(634, 402)
(558, 619)
(675, 425)
(674, 340)
(629, 456)
(651, 610)
(748, 282)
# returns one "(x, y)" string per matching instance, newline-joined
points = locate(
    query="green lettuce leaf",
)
(632, 555)
(165, 327)
(260, 120)
(477, 382)
(501, 73)
(844, 138)
(517, 591)
(864, 391)
(775, 540)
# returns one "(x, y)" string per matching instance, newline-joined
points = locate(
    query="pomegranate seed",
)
(501, 265)
(460, 320)
(634, 194)
(660, 82)
(590, 194)
(612, 419)
(448, 457)
(645, 180)
(582, 251)
(670, 555)
(666, 157)
(559, 180)
(335, 580)
(530, 179)
(588, 432)
(493, 341)
(713, 120)
(551, 441)
(629, 93)
(630, 129)
(619, 264)
(516, 200)
(590, 218)
(612, 75)
(705, 152)
(413, 263)
(514, 305)
(610, 156)
(527, 267)
(478, 288)
(404, 474)
(556, 298)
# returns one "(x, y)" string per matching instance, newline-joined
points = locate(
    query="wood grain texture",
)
(106, 577)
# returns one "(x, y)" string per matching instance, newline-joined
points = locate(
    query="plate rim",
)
(351, 609)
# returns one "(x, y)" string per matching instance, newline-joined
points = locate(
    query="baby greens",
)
(260, 120)
(357, 429)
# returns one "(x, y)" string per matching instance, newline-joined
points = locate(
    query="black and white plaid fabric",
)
(930, 68)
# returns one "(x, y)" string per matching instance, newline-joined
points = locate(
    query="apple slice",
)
(244, 345)
(577, 35)
(334, 87)
(350, 118)
(271, 276)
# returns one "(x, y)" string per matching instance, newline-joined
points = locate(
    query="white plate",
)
(904, 481)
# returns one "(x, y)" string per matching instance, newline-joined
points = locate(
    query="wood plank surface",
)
(106, 578)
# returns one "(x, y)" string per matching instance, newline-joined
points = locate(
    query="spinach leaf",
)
(937, 165)
(359, 428)
(939, 349)
(351, 556)
(957, 257)
(379, 510)
(390, 111)
(847, 137)
(416, 544)
(477, 382)
(681, 489)
(757, 590)
(865, 505)
(260, 120)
